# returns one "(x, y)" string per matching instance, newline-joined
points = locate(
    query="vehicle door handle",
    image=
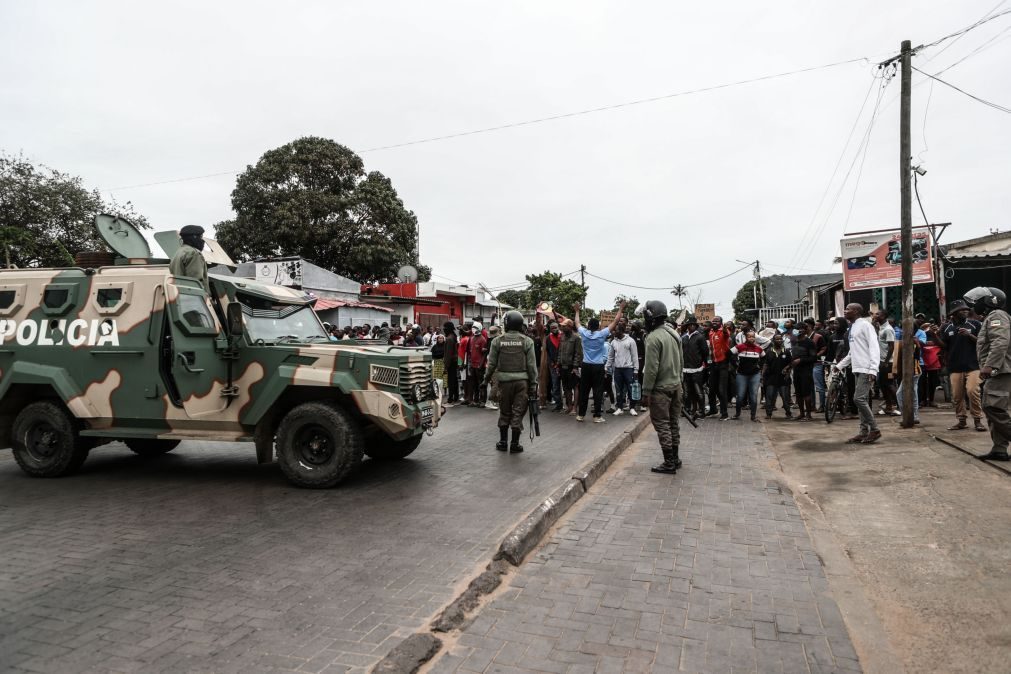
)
(184, 359)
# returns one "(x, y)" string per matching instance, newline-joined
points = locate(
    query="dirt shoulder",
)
(923, 529)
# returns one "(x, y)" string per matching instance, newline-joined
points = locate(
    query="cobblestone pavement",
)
(201, 560)
(711, 570)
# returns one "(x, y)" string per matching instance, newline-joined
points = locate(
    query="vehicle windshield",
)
(279, 322)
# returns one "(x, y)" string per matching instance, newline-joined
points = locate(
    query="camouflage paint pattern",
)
(114, 362)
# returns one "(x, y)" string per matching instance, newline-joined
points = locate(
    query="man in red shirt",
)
(464, 353)
(477, 354)
(720, 343)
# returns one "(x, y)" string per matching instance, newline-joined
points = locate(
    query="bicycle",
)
(835, 391)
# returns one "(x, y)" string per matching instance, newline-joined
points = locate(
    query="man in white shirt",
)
(864, 358)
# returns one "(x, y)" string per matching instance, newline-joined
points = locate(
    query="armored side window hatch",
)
(109, 297)
(7, 298)
(55, 298)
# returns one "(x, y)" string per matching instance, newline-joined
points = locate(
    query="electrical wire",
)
(670, 287)
(835, 170)
(863, 160)
(995, 106)
(540, 120)
(861, 149)
(977, 50)
(520, 284)
(955, 41)
(959, 33)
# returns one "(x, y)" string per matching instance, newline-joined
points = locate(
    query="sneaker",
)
(633, 412)
(724, 418)
(611, 411)
(598, 420)
(871, 437)
(447, 405)
(618, 412)
(492, 406)
(579, 418)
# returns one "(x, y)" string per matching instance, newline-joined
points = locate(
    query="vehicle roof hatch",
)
(122, 236)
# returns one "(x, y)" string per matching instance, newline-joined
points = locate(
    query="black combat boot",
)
(677, 460)
(515, 447)
(503, 437)
(995, 455)
(669, 465)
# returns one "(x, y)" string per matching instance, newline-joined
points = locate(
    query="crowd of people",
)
(724, 366)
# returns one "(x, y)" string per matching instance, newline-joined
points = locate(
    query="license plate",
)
(426, 412)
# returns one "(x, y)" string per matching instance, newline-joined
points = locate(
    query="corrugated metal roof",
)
(325, 303)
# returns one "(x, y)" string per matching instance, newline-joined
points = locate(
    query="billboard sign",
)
(875, 260)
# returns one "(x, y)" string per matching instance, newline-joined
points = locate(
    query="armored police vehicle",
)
(129, 352)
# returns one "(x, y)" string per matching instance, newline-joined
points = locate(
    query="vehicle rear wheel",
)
(151, 446)
(382, 447)
(318, 445)
(46, 442)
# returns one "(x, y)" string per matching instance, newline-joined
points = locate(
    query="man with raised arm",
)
(594, 358)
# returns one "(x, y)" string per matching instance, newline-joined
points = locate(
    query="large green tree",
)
(312, 198)
(744, 302)
(631, 304)
(548, 286)
(47, 216)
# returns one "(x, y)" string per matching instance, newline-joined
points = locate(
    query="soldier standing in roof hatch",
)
(188, 261)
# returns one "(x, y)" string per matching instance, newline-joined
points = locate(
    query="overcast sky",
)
(672, 191)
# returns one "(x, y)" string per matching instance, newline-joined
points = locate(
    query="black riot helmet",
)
(192, 235)
(983, 300)
(514, 321)
(655, 313)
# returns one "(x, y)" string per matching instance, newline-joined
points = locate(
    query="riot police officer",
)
(995, 365)
(188, 261)
(661, 383)
(512, 358)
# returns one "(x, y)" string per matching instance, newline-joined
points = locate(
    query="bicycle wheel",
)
(832, 401)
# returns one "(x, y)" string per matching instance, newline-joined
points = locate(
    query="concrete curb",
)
(410, 654)
(528, 533)
(416, 650)
(595, 469)
(531, 530)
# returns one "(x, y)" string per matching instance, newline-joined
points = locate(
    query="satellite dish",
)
(407, 274)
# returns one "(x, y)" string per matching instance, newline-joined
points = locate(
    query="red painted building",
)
(431, 303)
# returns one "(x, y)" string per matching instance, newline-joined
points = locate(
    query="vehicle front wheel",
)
(151, 446)
(46, 442)
(382, 447)
(318, 445)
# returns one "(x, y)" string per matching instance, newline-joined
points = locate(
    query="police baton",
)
(535, 412)
(688, 418)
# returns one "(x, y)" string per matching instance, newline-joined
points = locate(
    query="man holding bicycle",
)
(864, 358)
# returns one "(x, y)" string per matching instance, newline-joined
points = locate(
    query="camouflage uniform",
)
(992, 350)
(512, 359)
(661, 381)
(188, 261)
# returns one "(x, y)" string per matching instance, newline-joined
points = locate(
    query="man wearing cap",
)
(188, 261)
(959, 337)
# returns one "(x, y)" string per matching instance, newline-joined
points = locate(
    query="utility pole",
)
(582, 280)
(906, 223)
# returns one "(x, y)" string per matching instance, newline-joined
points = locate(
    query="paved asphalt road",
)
(202, 560)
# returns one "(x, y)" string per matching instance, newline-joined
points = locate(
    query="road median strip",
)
(419, 648)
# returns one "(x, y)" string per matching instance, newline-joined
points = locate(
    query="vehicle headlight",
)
(418, 392)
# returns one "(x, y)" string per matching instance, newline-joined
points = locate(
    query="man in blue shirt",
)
(594, 358)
